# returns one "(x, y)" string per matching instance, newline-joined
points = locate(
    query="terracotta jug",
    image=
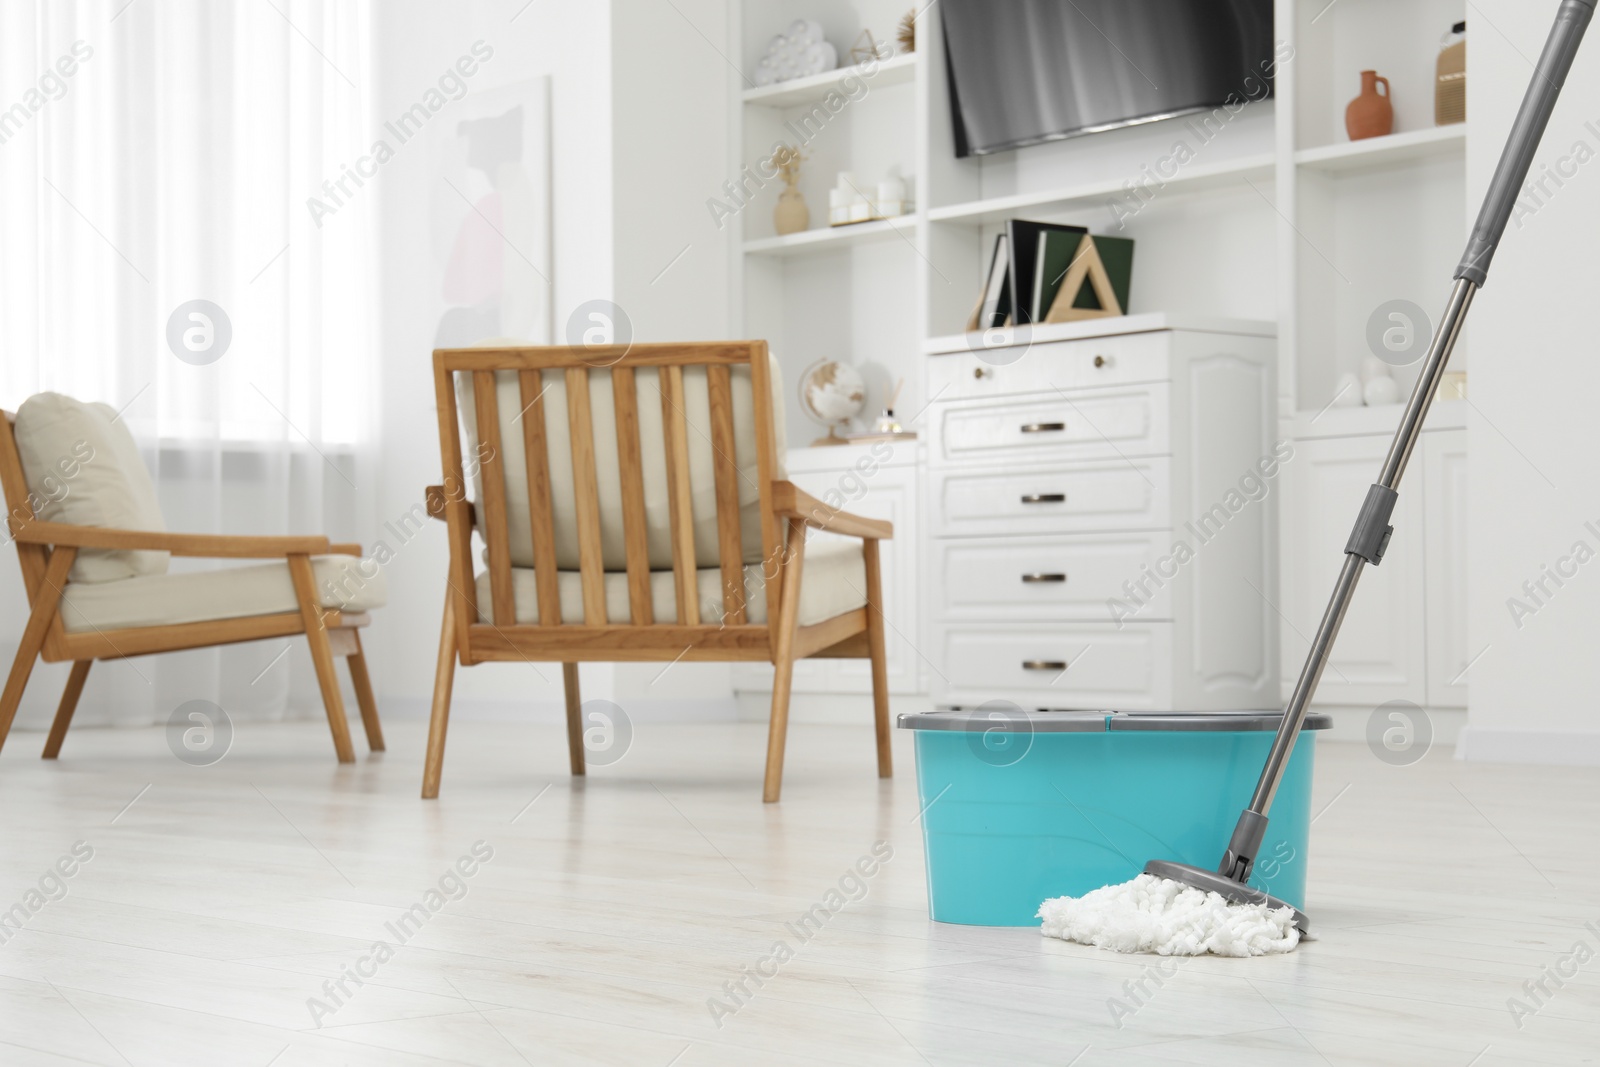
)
(1371, 114)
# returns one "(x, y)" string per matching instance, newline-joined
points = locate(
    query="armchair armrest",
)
(437, 502)
(215, 545)
(790, 501)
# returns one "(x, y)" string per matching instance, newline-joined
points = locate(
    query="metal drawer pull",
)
(1100, 361)
(1044, 427)
(1044, 664)
(1044, 577)
(1044, 498)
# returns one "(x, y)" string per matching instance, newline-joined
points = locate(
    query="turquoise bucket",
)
(1019, 806)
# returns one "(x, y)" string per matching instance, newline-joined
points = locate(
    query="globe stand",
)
(833, 438)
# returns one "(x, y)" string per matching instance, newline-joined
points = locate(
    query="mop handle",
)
(1370, 538)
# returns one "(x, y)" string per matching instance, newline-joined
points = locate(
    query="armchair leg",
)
(17, 681)
(321, 656)
(880, 657)
(443, 679)
(364, 698)
(783, 661)
(569, 682)
(69, 704)
(33, 635)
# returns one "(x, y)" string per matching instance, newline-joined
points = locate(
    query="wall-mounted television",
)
(1023, 72)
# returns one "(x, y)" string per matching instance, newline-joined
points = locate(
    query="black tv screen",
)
(1024, 72)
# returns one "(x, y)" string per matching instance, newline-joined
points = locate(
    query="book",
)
(1022, 240)
(1050, 267)
(1117, 255)
(995, 307)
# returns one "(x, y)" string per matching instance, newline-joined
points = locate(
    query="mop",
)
(1179, 909)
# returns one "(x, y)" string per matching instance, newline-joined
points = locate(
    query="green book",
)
(1117, 254)
(1056, 249)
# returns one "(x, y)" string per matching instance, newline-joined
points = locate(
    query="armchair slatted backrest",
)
(568, 523)
(19, 506)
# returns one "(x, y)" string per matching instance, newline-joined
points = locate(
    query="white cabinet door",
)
(887, 492)
(1381, 652)
(1444, 495)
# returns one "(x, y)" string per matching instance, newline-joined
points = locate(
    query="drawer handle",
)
(1044, 665)
(1100, 361)
(1043, 427)
(1044, 498)
(1031, 578)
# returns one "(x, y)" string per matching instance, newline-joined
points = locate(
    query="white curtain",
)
(162, 152)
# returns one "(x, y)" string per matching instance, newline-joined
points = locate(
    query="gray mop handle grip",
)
(1548, 77)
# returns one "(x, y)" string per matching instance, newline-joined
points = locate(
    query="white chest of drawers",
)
(1101, 517)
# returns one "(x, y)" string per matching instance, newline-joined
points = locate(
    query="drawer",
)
(1087, 666)
(1057, 578)
(1044, 367)
(1113, 494)
(1097, 423)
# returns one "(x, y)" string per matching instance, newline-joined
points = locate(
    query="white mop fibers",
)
(1168, 918)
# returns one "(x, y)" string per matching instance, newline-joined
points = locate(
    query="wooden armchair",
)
(633, 508)
(99, 590)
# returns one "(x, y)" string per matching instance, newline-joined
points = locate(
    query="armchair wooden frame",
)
(785, 514)
(47, 550)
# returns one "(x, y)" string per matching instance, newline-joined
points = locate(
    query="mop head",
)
(1168, 918)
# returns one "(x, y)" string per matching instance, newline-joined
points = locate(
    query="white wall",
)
(1534, 386)
(640, 140)
(415, 40)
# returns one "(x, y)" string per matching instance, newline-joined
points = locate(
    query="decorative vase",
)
(1371, 114)
(791, 215)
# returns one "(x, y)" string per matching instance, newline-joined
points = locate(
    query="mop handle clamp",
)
(1370, 537)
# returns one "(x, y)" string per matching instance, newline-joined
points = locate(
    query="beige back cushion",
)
(702, 477)
(83, 468)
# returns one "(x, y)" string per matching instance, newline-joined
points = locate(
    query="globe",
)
(832, 393)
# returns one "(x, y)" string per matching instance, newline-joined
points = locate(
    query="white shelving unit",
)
(895, 70)
(1274, 216)
(902, 227)
(1438, 142)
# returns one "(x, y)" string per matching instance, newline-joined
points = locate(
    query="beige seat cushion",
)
(702, 477)
(83, 468)
(832, 582)
(344, 583)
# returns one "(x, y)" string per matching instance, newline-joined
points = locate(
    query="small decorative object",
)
(849, 204)
(868, 47)
(796, 53)
(1450, 78)
(891, 197)
(791, 215)
(1372, 113)
(1346, 392)
(1452, 385)
(832, 393)
(1380, 391)
(886, 423)
(1095, 282)
(907, 33)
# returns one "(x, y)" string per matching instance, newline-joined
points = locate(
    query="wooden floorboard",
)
(220, 899)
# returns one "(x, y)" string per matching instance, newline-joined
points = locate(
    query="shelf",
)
(1440, 142)
(1192, 179)
(827, 238)
(1114, 326)
(895, 70)
(1381, 421)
